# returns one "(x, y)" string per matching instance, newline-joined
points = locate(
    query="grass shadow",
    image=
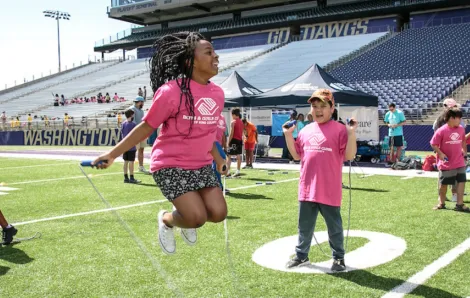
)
(4, 270)
(248, 196)
(229, 217)
(370, 280)
(147, 184)
(369, 189)
(14, 255)
(260, 179)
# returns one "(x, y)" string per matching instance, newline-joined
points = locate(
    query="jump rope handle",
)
(290, 124)
(88, 163)
(350, 122)
(222, 154)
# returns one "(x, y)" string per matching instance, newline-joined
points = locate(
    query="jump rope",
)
(144, 249)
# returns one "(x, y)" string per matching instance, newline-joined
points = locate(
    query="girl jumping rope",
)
(189, 106)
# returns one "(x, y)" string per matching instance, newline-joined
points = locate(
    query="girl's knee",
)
(197, 220)
(218, 215)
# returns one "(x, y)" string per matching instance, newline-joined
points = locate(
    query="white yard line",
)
(422, 276)
(65, 178)
(407, 177)
(34, 166)
(88, 212)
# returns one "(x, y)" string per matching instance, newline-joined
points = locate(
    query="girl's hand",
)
(103, 161)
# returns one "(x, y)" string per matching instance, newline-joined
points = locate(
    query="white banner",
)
(368, 118)
(260, 117)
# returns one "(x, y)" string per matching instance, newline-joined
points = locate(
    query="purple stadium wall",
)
(307, 32)
(439, 18)
(416, 136)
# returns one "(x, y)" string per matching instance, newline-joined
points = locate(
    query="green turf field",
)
(89, 254)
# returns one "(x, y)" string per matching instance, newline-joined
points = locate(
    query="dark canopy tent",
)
(237, 90)
(299, 90)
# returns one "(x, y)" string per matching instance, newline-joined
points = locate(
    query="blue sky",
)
(28, 40)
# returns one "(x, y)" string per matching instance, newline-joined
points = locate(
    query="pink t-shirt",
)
(322, 149)
(449, 139)
(174, 148)
(221, 127)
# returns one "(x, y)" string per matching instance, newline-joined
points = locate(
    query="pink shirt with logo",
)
(221, 127)
(322, 149)
(174, 148)
(449, 139)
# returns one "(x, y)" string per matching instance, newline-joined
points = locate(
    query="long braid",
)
(173, 59)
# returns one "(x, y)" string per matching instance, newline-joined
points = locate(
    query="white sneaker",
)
(189, 235)
(237, 173)
(454, 197)
(166, 235)
(143, 170)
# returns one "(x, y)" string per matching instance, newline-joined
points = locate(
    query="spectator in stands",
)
(129, 155)
(66, 120)
(30, 121)
(145, 93)
(119, 119)
(108, 98)
(395, 119)
(115, 97)
(140, 93)
(4, 119)
(56, 100)
(46, 121)
(138, 115)
(235, 141)
(8, 231)
(251, 138)
(62, 100)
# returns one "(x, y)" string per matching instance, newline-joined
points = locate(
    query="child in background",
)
(251, 138)
(8, 231)
(449, 144)
(323, 144)
(129, 156)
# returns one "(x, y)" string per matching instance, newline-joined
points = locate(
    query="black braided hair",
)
(173, 59)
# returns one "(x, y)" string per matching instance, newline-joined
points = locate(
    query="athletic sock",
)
(132, 177)
(126, 176)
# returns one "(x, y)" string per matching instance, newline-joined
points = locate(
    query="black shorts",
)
(129, 156)
(235, 147)
(175, 182)
(397, 141)
(451, 176)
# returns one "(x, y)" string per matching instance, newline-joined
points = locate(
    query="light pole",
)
(58, 15)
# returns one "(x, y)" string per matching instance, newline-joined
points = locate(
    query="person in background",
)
(138, 115)
(145, 93)
(300, 122)
(251, 138)
(129, 155)
(119, 119)
(395, 120)
(8, 231)
(285, 152)
(140, 92)
(309, 119)
(235, 141)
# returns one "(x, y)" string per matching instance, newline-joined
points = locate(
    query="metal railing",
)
(103, 122)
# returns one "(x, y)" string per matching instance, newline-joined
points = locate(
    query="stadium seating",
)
(70, 88)
(128, 88)
(56, 80)
(288, 62)
(416, 69)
